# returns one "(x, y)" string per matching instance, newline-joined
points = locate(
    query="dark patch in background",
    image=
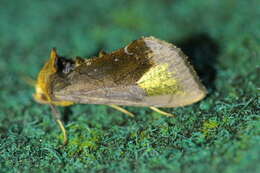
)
(202, 51)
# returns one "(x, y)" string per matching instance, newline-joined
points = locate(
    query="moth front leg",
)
(57, 116)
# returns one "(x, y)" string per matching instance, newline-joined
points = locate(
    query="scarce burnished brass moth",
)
(147, 72)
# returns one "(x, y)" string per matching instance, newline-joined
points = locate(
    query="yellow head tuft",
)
(43, 87)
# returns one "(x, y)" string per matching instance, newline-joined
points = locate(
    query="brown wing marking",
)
(113, 78)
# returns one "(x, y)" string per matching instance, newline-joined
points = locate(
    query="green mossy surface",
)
(219, 134)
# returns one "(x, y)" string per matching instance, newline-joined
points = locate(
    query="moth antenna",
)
(161, 112)
(30, 81)
(122, 110)
(57, 116)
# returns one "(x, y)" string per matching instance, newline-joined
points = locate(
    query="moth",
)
(148, 73)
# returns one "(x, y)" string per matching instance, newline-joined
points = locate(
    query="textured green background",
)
(219, 134)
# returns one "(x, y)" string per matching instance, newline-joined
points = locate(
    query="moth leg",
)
(161, 112)
(57, 116)
(122, 110)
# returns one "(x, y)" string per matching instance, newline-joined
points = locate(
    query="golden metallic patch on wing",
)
(159, 81)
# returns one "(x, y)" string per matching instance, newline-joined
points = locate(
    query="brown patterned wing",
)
(147, 72)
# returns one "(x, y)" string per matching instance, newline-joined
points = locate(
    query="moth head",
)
(43, 84)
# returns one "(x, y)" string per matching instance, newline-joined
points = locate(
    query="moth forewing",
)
(147, 72)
